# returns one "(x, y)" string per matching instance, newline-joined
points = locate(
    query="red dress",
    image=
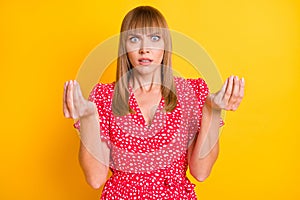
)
(150, 162)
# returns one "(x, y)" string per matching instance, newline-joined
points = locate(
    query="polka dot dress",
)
(150, 161)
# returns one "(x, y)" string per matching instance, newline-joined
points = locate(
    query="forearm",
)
(206, 147)
(92, 151)
(204, 152)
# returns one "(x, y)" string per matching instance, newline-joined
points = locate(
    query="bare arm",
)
(76, 107)
(203, 153)
(91, 151)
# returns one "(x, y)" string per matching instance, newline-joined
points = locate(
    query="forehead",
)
(145, 31)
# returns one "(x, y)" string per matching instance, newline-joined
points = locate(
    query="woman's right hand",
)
(74, 104)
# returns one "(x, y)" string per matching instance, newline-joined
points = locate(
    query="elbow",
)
(95, 182)
(201, 178)
(95, 185)
(199, 175)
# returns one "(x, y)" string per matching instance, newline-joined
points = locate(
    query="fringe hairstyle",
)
(144, 18)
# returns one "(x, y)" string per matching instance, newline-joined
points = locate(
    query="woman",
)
(152, 125)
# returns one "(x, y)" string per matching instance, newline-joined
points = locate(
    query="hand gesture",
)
(74, 104)
(230, 95)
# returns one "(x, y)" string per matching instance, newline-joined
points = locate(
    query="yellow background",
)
(43, 43)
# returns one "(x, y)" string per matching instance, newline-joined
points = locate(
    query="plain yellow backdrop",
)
(43, 44)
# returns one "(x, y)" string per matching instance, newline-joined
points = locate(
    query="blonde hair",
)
(145, 18)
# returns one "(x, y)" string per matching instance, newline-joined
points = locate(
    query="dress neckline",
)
(159, 107)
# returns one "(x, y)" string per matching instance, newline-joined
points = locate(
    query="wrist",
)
(210, 106)
(211, 110)
(90, 112)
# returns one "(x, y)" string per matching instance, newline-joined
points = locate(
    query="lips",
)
(145, 61)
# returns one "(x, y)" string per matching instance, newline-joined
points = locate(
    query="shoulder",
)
(104, 87)
(197, 84)
(102, 91)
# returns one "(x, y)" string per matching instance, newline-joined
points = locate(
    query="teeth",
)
(145, 61)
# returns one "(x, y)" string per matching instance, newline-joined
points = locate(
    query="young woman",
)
(152, 125)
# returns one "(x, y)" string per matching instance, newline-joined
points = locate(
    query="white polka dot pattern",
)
(150, 162)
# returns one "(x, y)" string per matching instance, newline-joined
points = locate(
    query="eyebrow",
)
(139, 34)
(154, 33)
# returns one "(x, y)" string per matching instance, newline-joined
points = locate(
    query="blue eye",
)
(155, 38)
(134, 39)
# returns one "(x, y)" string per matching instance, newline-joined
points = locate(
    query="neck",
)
(146, 82)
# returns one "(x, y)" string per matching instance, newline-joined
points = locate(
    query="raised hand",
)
(230, 95)
(74, 104)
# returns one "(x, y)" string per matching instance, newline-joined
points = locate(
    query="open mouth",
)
(145, 61)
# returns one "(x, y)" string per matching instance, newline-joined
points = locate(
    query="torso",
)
(150, 162)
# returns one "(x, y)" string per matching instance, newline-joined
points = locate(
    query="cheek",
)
(131, 47)
(132, 57)
(159, 55)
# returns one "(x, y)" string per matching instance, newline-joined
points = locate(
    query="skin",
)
(229, 99)
(148, 95)
(76, 107)
(146, 75)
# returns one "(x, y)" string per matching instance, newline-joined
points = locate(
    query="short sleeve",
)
(101, 95)
(201, 91)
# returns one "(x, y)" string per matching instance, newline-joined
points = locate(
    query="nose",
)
(144, 48)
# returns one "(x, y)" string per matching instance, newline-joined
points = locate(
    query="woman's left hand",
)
(230, 95)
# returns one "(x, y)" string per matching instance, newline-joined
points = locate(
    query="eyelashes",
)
(155, 38)
(136, 39)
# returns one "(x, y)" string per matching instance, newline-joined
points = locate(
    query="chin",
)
(147, 70)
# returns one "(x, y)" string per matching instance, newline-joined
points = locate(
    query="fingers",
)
(76, 100)
(221, 93)
(223, 89)
(240, 93)
(72, 99)
(237, 94)
(79, 93)
(230, 95)
(228, 92)
(65, 107)
(217, 99)
(70, 102)
(235, 98)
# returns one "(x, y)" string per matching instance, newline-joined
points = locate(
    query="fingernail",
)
(243, 80)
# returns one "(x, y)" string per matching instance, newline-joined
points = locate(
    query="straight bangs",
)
(143, 20)
(143, 17)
